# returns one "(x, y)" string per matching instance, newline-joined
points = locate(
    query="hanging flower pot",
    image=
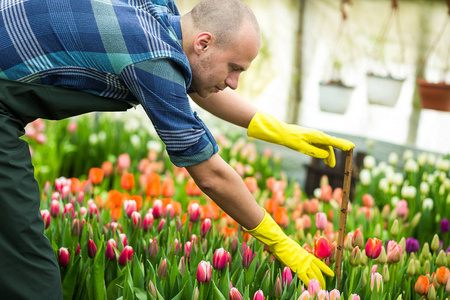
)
(334, 96)
(434, 95)
(383, 90)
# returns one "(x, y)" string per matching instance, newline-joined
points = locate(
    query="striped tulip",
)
(377, 279)
(335, 295)
(110, 252)
(286, 277)
(204, 271)
(54, 208)
(63, 257)
(130, 207)
(125, 256)
(46, 218)
(148, 222)
(373, 247)
(220, 259)
(206, 226)
(194, 212)
(322, 248)
(259, 295)
(313, 287)
(235, 295)
(157, 209)
(136, 217)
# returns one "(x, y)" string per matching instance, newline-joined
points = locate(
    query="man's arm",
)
(227, 105)
(222, 184)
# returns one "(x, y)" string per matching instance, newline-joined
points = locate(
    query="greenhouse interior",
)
(126, 216)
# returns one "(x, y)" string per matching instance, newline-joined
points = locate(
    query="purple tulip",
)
(445, 226)
(412, 245)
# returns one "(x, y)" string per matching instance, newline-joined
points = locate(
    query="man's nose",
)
(233, 80)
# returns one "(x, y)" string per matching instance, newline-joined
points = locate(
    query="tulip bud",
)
(92, 248)
(204, 271)
(234, 294)
(382, 258)
(206, 225)
(153, 248)
(169, 211)
(152, 289)
(136, 217)
(77, 252)
(355, 257)
(447, 286)
(196, 294)
(220, 259)
(441, 259)
(63, 257)
(110, 246)
(394, 228)
(358, 239)
(194, 212)
(162, 269)
(378, 279)
(125, 256)
(335, 295)
(148, 222)
(178, 223)
(435, 243)
(259, 295)
(234, 245)
(426, 267)
(385, 273)
(431, 295)
(411, 268)
(157, 209)
(277, 290)
(46, 217)
(182, 265)
(313, 287)
(54, 208)
(377, 231)
(425, 254)
(161, 224)
(321, 221)
(286, 277)
(417, 267)
(247, 257)
(123, 238)
(363, 260)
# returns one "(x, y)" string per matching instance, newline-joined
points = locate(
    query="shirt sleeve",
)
(160, 88)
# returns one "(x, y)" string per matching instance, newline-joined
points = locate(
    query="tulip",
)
(96, 175)
(148, 222)
(431, 295)
(123, 162)
(169, 210)
(394, 252)
(194, 212)
(206, 225)
(447, 286)
(321, 221)
(354, 297)
(373, 247)
(220, 259)
(63, 257)
(441, 259)
(54, 208)
(277, 290)
(161, 224)
(325, 193)
(313, 287)
(286, 277)
(411, 270)
(335, 295)
(234, 294)
(152, 289)
(153, 248)
(123, 238)
(322, 295)
(444, 225)
(378, 279)
(259, 295)
(168, 188)
(358, 238)
(412, 245)
(136, 217)
(204, 271)
(110, 246)
(355, 257)
(434, 243)
(305, 296)
(46, 217)
(442, 275)
(422, 284)
(127, 181)
(130, 207)
(125, 256)
(162, 269)
(247, 257)
(182, 265)
(322, 248)
(157, 209)
(92, 249)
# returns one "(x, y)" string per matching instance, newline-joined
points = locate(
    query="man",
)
(60, 58)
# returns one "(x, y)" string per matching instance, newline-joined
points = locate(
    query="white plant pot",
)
(335, 98)
(383, 90)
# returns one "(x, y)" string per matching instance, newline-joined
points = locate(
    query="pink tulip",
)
(305, 296)
(72, 126)
(46, 218)
(93, 210)
(63, 257)
(322, 247)
(123, 162)
(220, 259)
(378, 279)
(313, 287)
(187, 249)
(394, 252)
(136, 217)
(194, 212)
(83, 211)
(206, 225)
(161, 224)
(130, 207)
(322, 295)
(169, 209)
(354, 297)
(335, 295)
(402, 208)
(54, 208)
(306, 220)
(110, 246)
(373, 247)
(325, 193)
(162, 269)
(92, 249)
(157, 209)
(55, 196)
(321, 221)
(123, 238)
(286, 277)
(277, 290)
(77, 252)
(148, 222)
(247, 257)
(125, 256)
(68, 209)
(235, 295)
(204, 271)
(259, 295)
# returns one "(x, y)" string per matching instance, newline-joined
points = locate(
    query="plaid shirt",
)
(128, 50)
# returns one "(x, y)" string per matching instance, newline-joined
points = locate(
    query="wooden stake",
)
(343, 215)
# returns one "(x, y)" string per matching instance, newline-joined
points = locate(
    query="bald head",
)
(223, 18)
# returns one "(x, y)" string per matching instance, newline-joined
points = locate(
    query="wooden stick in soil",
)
(343, 215)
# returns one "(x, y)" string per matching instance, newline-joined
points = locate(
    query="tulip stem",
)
(352, 274)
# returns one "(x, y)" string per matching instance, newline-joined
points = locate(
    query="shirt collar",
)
(175, 23)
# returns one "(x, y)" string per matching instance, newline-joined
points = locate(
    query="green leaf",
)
(97, 282)
(250, 272)
(140, 293)
(180, 294)
(114, 289)
(70, 280)
(128, 290)
(138, 275)
(217, 293)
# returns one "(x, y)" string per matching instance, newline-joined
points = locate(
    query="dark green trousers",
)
(28, 265)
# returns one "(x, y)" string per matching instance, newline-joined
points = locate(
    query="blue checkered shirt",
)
(126, 50)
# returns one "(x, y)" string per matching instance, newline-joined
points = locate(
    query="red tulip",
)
(54, 208)
(247, 257)
(220, 259)
(157, 209)
(46, 218)
(204, 271)
(148, 222)
(110, 246)
(206, 225)
(259, 295)
(322, 248)
(373, 248)
(235, 295)
(194, 212)
(63, 257)
(92, 249)
(125, 256)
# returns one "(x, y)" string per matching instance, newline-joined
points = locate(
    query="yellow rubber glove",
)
(307, 141)
(289, 252)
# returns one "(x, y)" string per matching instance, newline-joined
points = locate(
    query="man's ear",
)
(203, 42)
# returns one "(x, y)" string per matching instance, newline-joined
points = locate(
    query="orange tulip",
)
(422, 285)
(251, 184)
(153, 188)
(107, 167)
(168, 188)
(127, 181)
(271, 205)
(192, 189)
(281, 217)
(442, 275)
(138, 199)
(96, 175)
(75, 185)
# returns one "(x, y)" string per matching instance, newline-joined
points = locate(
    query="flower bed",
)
(124, 223)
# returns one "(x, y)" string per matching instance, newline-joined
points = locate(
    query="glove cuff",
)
(265, 127)
(268, 231)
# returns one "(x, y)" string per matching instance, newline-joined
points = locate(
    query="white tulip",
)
(131, 125)
(443, 164)
(135, 140)
(393, 158)
(369, 162)
(446, 183)
(431, 159)
(424, 188)
(382, 165)
(365, 177)
(394, 201)
(408, 154)
(93, 139)
(394, 189)
(422, 159)
(398, 179)
(427, 204)
(430, 179)
(375, 171)
(384, 185)
(411, 165)
(154, 145)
